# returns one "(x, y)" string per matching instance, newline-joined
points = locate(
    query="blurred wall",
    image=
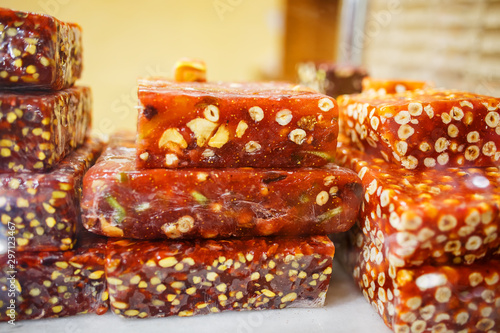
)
(123, 40)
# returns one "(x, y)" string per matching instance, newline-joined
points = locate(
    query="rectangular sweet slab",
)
(37, 129)
(226, 125)
(448, 298)
(425, 129)
(41, 210)
(186, 278)
(120, 200)
(38, 51)
(448, 216)
(331, 79)
(54, 284)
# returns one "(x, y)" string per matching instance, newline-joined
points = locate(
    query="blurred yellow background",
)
(123, 40)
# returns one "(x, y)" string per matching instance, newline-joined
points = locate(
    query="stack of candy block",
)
(224, 200)
(425, 249)
(44, 153)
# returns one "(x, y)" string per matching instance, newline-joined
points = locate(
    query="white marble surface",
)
(346, 311)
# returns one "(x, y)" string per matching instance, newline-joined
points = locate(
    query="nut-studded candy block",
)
(448, 216)
(37, 129)
(331, 79)
(41, 210)
(38, 51)
(196, 124)
(383, 87)
(186, 278)
(54, 284)
(449, 298)
(425, 129)
(120, 200)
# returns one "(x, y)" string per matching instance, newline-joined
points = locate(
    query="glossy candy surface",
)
(55, 284)
(37, 129)
(120, 200)
(448, 216)
(448, 298)
(41, 210)
(425, 129)
(186, 278)
(38, 51)
(225, 125)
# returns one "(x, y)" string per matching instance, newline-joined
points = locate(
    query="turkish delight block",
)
(41, 210)
(448, 216)
(448, 298)
(226, 125)
(425, 129)
(120, 200)
(38, 51)
(331, 79)
(383, 87)
(186, 278)
(53, 284)
(37, 129)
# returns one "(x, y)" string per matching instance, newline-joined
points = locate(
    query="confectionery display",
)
(227, 125)
(120, 200)
(425, 129)
(331, 79)
(38, 51)
(186, 278)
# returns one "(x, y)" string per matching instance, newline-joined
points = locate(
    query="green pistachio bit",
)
(322, 154)
(329, 214)
(200, 198)
(122, 177)
(119, 211)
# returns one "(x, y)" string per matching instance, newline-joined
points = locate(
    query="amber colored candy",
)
(120, 200)
(37, 129)
(42, 210)
(225, 125)
(186, 278)
(54, 284)
(425, 129)
(448, 216)
(38, 51)
(448, 298)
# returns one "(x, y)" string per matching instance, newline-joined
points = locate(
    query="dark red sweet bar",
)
(448, 216)
(54, 284)
(331, 79)
(38, 51)
(186, 278)
(449, 298)
(225, 125)
(37, 129)
(382, 87)
(425, 129)
(120, 200)
(41, 210)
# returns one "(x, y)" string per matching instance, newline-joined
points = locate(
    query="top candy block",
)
(38, 51)
(199, 124)
(383, 87)
(425, 128)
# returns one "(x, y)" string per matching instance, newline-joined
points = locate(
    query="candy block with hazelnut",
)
(224, 125)
(38, 51)
(447, 298)
(186, 278)
(448, 216)
(54, 284)
(37, 129)
(41, 210)
(121, 200)
(425, 129)
(383, 87)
